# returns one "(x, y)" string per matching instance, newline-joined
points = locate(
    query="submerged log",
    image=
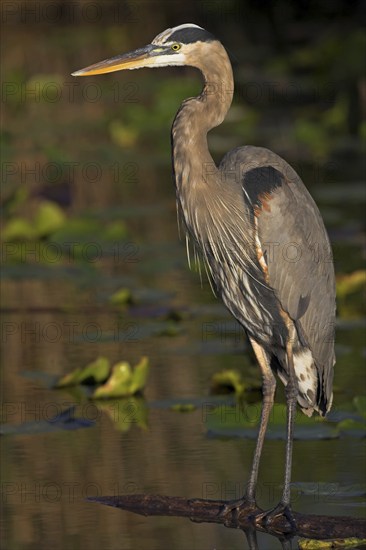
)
(213, 511)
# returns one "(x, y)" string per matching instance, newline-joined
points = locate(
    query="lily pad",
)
(115, 231)
(94, 373)
(124, 381)
(228, 381)
(312, 544)
(183, 407)
(18, 229)
(49, 218)
(122, 296)
(169, 328)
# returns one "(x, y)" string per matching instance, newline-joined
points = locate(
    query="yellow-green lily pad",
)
(115, 231)
(228, 381)
(49, 218)
(93, 373)
(183, 407)
(122, 296)
(78, 229)
(170, 328)
(312, 544)
(18, 229)
(124, 381)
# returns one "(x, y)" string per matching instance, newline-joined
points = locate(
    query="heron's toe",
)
(232, 508)
(265, 519)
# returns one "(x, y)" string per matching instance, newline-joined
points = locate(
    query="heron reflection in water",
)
(240, 216)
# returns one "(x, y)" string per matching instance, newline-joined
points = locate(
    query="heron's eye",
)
(175, 47)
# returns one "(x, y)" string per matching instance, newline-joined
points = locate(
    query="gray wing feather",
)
(298, 255)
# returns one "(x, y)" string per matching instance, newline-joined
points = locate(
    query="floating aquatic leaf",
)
(183, 407)
(124, 381)
(18, 229)
(169, 328)
(122, 296)
(228, 381)
(78, 229)
(94, 373)
(139, 375)
(49, 218)
(115, 231)
(69, 379)
(312, 544)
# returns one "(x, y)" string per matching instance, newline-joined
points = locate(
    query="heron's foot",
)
(232, 508)
(266, 518)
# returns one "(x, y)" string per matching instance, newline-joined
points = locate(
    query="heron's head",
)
(186, 44)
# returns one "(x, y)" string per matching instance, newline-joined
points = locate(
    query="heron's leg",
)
(291, 399)
(251, 535)
(268, 391)
(283, 507)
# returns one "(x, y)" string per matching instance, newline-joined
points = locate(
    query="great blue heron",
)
(260, 234)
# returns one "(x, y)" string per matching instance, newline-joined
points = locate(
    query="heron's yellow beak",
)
(143, 57)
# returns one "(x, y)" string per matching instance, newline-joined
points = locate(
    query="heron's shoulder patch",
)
(260, 184)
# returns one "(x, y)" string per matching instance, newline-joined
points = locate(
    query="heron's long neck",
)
(193, 164)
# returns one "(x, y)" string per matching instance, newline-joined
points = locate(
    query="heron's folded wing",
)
(298, 255)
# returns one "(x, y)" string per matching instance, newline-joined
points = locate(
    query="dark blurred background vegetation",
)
(300, 90)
